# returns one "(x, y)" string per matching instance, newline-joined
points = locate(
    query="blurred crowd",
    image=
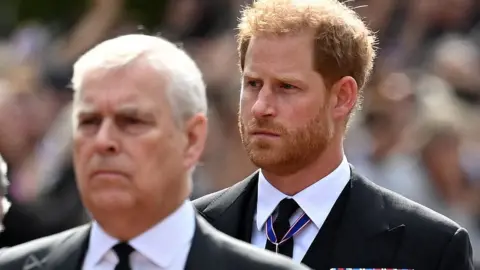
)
(418, 132)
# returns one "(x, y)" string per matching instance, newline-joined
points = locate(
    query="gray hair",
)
(186, 91)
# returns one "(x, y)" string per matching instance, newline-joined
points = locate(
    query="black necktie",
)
(123, 251)
(286, 208)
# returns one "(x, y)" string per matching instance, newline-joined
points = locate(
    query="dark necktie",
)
(286, 208)
(123, 251)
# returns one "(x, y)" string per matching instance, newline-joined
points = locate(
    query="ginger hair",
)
(343, 44)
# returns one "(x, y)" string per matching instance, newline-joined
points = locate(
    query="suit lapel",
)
(367, 236)
(319, 254)
(240, 200)
(203, 251)
(69, 253)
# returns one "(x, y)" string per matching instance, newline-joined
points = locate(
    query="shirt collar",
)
(99, 244)
(316, 201)
(160, 244)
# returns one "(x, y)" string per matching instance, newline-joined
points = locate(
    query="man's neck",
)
(295, 182)
(128, 224)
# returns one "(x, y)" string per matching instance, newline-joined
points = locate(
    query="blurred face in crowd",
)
(286, 119)
(441, 157)
(33, 113)
(130, 153)
(13, 134)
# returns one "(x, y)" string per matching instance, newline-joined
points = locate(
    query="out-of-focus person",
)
(304, 65)
(139, 128)
(4, 203)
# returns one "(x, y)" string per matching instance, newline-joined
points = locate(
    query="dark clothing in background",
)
(59, 211)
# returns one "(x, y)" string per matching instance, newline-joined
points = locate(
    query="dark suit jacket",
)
(59, 210)
(368, 227)
(210, 250)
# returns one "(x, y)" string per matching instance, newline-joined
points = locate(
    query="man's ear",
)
(196, 129)
(344, 95)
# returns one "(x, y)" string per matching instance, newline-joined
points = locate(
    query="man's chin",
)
(265, 158)
(111, 200)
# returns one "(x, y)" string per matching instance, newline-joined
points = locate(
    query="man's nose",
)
(106, 141)
(263, 106)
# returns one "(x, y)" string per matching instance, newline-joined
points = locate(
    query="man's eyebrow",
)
(127, 110)
(293, 80)
(85, 113)
(132, 111)
(281, 77)
(251, 75)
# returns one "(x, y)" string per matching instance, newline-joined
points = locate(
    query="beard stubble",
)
(293, 150)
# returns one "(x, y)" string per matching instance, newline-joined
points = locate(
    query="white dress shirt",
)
(165, 246)
(316, 201)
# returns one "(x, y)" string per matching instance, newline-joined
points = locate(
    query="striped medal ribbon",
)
(297, 226)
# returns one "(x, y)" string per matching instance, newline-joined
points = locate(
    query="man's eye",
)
(131, 121)
(133, 125)
(253, 83)
(89, 121)
(287, 86)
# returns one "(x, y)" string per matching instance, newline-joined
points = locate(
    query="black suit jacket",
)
(368, 227)
(59, 210)
(210, 250)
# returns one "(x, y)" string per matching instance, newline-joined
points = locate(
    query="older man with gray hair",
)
(140, 126)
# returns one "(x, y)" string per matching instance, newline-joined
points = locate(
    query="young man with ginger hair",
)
(304, 65)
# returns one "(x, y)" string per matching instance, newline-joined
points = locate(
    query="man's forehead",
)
(123, 108)
(281, 70)
(118, 86)
(287, 54)
(119, 97)
(136, 71)
(129, 89)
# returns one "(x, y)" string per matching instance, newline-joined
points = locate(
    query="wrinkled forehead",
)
(127, 87)
(137, 72)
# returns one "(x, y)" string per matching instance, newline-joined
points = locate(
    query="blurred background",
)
(418, 133)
